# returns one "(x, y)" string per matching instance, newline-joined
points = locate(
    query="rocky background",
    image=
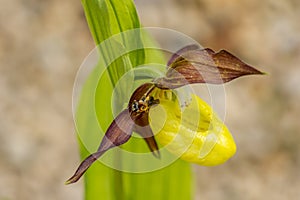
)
(42, 44)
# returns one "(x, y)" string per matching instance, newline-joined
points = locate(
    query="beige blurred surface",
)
(42, 44)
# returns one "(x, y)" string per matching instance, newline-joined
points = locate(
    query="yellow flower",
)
(195, 134)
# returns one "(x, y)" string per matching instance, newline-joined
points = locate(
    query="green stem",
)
(118, 177)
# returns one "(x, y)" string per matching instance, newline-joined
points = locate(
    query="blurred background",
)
(42, 44)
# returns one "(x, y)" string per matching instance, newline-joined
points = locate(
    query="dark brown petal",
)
(182, 51)
(118, 133)
(84, 165)
(147, 134)
(204, 66)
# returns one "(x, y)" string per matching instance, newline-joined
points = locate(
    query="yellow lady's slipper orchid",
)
(194, 133)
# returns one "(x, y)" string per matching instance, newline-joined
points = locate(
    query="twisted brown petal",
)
(203, 66)
(121, 129)
(181, 52)
(118, 133)
(147, 134)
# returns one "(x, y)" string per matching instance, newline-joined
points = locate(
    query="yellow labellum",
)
(194, 133)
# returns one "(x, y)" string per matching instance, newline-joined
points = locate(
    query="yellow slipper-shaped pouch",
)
(194, 133)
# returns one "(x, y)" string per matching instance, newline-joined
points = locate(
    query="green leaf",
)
(94, 111)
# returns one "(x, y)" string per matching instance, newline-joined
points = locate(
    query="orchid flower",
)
(196, 134)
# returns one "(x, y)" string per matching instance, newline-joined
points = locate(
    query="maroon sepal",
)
(203, 66)
(118, 133)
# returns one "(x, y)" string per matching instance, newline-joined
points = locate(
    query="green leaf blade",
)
(94, 114)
